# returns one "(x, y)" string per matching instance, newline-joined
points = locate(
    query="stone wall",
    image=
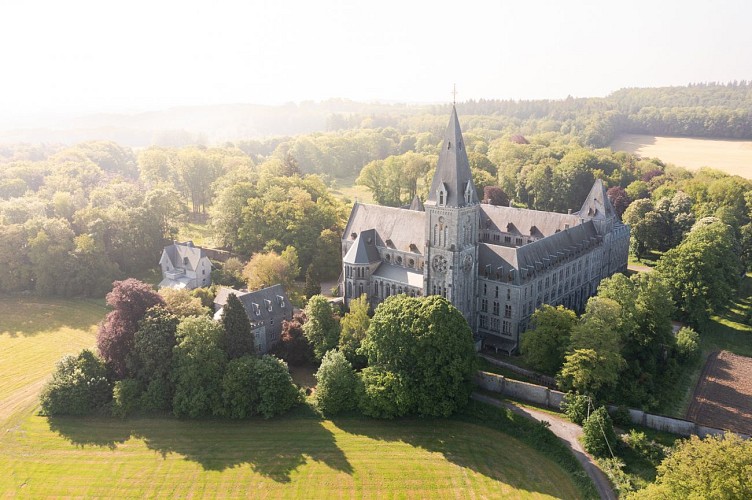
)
(549, 398)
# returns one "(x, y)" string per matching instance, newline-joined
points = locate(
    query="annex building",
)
(496, 264)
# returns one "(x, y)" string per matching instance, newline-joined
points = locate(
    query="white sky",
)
(87, 56)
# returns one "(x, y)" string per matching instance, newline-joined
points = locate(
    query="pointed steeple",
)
(452, 184)
(417, 205)
(597, 205)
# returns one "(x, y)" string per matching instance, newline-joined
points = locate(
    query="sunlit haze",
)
(127, 56)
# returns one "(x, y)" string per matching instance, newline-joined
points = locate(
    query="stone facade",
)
(495, 264)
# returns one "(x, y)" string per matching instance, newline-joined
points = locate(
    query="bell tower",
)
(452, 220)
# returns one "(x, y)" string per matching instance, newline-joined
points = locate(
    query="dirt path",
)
(567, 432)
(640, 268)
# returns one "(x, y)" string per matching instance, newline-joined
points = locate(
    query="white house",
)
(184, 266)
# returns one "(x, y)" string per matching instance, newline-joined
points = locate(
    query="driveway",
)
(567, 432)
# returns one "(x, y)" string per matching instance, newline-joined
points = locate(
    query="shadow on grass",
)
(29, 315)
(274, 448)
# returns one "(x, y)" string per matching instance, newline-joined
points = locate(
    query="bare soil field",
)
(731, 156)
(723, 397)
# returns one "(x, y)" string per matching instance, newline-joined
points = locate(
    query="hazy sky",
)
(62, 56)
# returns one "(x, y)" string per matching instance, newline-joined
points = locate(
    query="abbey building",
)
(495, 264)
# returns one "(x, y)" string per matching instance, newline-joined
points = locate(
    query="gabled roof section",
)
(363, 250)
(453, 168)
(261, 305)
(184, 255)
(403, 227)
(597, 205)
(524, 221)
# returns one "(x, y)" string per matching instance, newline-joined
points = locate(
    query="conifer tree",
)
(238, 338)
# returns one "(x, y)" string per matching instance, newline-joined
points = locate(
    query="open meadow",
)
(731, 156)
(299, 455)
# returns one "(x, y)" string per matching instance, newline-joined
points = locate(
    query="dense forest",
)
(73, 218)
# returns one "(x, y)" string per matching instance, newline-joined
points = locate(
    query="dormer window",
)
(442, 194)
(449, 144)
(256, 309)
(468, 192)
(281, 301)
(268, 305)
(185, 261)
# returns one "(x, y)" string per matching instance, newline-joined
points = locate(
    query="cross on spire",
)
(454, 94)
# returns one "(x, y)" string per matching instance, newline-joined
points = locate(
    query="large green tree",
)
(354, 326)
(421, 358)
(703, 272)
(322, 326)
(546, 342)
(238, 339)
(337, 384)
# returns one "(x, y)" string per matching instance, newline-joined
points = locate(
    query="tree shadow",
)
(30, 315)
(274, 448)
(464, 444)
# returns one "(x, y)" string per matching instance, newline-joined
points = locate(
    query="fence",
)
(549, 382)
(549, 398)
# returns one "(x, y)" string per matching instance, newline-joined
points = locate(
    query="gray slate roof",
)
(538, 254)
(417, 204)
(399, 226)
(453, 168)
(525, 222)
(363, 251)
(177, 252)
(597, 205)
(258, 304)
(400, 274)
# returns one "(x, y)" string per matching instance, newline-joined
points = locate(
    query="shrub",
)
(575, 407)
(384, 394)
(79, 386)
(644, 447)
(336, 390)
(158, 396)
(598, 434)
(621, 416)
(688, 344)
(240, 393)
(126, 397)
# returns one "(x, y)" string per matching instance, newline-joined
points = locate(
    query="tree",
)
(703, 271)
(182, 303)
(293, 346)
(619, 199)
(688, 344)
(79, 386)
(598, 434)
(337, 384)
(322, 326)
(645, 227)
(198, 368)
(267, 269)
(354, 327)
(421, 358)
(240, 392)
(586, 370)
(277, 392)
(238, 339)
(130, 299)
(714, 467)
(312, 283)
(546, 342)
(495, 196)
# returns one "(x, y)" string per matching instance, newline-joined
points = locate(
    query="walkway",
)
(567, 432)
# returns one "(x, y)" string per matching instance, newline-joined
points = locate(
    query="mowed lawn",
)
(299, 455)
(34, 334)
(731, 156)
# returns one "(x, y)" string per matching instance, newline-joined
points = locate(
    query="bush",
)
(384, 394)
(644, 447)
(688, 344)
(158, 396)
(337, 384)
(79, 386)
(598, 434)
(622, 417)
(575, 407)
(240, 393)
(126, 397)
(277, 392)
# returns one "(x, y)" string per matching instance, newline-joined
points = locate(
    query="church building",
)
(496, 264)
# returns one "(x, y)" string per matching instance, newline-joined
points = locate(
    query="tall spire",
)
(452, 184)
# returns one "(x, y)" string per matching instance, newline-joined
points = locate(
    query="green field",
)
(732, 156)
(299, 455)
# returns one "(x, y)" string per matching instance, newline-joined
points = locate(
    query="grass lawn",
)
(299, 455)
(34, 334)
(346, 189)
(200, 233)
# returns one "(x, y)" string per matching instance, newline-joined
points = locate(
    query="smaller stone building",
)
(184, 266)
(266, 309)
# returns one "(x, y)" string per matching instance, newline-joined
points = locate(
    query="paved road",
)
(567, 432)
